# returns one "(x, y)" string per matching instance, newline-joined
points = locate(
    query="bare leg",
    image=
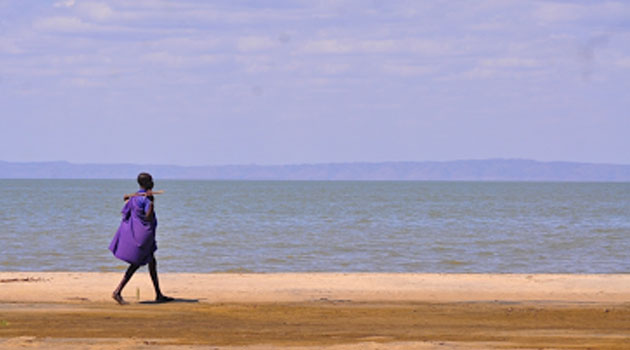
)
(159, 297)
(117, 292)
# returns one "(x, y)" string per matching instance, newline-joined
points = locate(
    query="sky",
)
(293, 82)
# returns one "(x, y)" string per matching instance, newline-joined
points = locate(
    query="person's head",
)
(145, 181)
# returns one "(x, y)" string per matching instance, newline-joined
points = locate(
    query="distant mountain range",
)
(460, 170)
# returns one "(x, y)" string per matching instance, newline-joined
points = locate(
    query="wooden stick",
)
(142, 194)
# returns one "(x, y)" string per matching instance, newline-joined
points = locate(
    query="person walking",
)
(134, 242)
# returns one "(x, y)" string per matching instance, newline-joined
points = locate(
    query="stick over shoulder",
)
(142, 194)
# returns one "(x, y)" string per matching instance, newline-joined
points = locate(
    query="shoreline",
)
(308, 311)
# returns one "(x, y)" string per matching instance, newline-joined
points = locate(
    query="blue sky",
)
(276, 82)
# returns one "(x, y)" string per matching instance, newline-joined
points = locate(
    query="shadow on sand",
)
(176, 300)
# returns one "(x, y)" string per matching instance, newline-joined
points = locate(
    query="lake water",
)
(298, 226)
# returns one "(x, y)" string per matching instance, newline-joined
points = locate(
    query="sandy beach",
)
(70, 310)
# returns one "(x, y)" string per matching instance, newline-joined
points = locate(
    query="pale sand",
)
(334, 311)
(297, 287)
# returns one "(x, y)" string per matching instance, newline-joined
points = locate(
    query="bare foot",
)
(163, 299)
(119, 299)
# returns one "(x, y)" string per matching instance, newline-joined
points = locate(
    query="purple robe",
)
(134, 241)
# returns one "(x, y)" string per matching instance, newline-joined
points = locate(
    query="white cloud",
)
(180, 60)
(476, 73)
(164, 58)
(382, 46)
(26, 68)
(95, 10)
(428, 47)
(65, 3)
(201, 11)
(334, 68)
(317, 68)
(84, 82)
(9, 46)
(256, 64)
(558, 12)
(623, 62)
(326, 46)
(182, 43)
(256, 43)
(483, 72)
(75, 60)
(510, 62)
(600, 11)
(62, 24)
(503, 67)
(75, 24)
(492, 25)
(407, 69)
(375, 46)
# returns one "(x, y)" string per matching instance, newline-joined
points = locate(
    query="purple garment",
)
(142, 201)
(134, 241)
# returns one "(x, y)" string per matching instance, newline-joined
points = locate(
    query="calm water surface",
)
(216, 226)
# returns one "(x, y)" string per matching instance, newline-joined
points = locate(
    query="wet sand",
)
(313, 311)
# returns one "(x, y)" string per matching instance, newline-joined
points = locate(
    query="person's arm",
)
(149, 211)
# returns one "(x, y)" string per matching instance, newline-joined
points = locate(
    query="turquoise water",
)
(281, 226)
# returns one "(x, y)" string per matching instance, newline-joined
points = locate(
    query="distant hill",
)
(460, 170)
